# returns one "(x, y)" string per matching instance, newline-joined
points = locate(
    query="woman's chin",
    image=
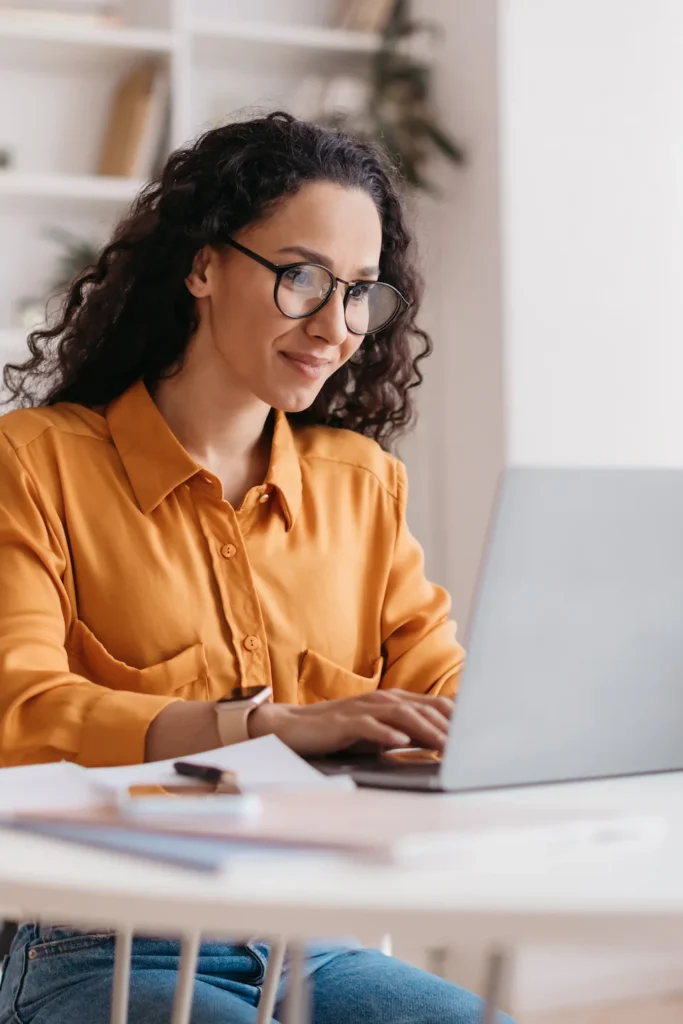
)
(293, 400)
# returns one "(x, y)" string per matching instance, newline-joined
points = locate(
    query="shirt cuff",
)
(115, 728)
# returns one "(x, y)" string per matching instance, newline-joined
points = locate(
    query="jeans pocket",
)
(55, 941)
(52, 960)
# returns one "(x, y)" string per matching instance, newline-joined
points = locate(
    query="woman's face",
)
(281, 361)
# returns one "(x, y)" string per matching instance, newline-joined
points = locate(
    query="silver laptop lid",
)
(575, 663)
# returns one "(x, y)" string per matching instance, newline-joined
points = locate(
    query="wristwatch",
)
(233, 712)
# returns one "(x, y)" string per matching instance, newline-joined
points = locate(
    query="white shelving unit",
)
(86, 188)
(299, 37)
(57, 82)
(32, 37)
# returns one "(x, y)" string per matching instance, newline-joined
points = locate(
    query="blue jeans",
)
(55, 976)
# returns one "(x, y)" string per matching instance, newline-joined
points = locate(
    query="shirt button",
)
(252, 643)
(228, 550)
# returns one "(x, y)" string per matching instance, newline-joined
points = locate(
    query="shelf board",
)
(304, 37)
(37, 40)
(87, 187)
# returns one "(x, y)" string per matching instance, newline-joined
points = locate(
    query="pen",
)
(224, 780)
(203, 772)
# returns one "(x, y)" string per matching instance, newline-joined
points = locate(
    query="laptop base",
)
(372, 771)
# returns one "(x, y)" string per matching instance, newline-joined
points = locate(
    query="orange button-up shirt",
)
(127, 581)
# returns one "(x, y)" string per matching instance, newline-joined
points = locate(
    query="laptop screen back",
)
(575, 662)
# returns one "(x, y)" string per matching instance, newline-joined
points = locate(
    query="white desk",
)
(627, 895)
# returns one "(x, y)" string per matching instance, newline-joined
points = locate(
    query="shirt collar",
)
(156, 462)
(284, 471)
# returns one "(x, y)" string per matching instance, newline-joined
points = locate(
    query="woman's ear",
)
(197, 280)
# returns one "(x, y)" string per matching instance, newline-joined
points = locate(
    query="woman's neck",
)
(219, 424)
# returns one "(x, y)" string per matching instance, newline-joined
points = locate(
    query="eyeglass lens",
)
(303, 289)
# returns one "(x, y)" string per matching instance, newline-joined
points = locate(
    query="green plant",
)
(399, 112)
(77, 254)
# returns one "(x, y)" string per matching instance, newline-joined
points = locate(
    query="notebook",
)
(197, 852)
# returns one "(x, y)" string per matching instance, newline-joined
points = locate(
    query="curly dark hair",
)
(130, 316)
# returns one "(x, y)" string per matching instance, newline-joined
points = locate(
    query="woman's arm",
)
(382, 719)
(48, 712)
(182, 728)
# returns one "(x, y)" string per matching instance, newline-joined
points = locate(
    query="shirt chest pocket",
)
(320, 679)
(186, 674)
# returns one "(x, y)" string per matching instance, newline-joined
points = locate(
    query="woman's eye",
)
(298, 277)
(361, 291)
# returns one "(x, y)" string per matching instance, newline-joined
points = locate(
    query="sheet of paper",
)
(261, 764)
(38, 787)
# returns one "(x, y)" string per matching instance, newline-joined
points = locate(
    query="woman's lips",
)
(310, 366)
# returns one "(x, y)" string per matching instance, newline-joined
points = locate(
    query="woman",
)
(197, 503)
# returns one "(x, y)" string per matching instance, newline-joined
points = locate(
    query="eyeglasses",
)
(302, 289)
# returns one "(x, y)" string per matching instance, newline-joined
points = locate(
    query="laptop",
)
(575, 655)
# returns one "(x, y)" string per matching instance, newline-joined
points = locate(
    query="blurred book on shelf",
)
(86, 13)
(138, 120)
(364, 15)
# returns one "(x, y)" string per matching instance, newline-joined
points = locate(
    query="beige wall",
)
(455, 457)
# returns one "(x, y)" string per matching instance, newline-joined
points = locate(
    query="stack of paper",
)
(68, 802)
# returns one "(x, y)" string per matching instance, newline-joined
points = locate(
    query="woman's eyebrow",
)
(319, 257)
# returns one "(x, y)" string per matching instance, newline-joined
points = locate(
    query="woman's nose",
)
(329, 322)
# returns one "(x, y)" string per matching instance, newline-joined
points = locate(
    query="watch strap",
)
(232, 718)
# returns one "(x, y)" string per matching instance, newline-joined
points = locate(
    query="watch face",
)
(248, 693)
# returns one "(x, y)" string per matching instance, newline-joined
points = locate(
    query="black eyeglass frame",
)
(280, 269)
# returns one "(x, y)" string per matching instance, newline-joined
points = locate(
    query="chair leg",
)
(495, 981)
(296, 1001)
(182, 1003)
(437, 961)
(266, 1006)
(119, 1000)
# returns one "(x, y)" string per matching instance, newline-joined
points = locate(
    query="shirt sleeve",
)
(47, 712)
(418, 636)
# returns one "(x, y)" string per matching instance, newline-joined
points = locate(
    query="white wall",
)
(592, 116)
(591, 105)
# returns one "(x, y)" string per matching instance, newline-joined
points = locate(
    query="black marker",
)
(203, 772)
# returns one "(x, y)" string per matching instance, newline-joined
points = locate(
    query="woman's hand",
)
(384, 718)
